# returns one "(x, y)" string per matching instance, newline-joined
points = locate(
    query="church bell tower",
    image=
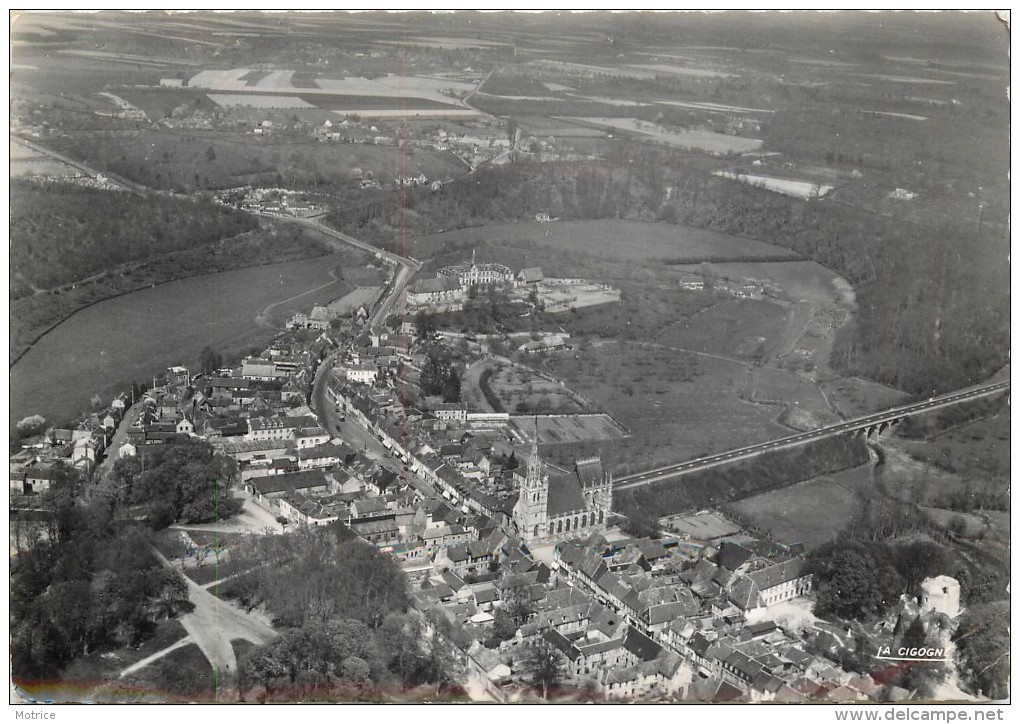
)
(530, 513)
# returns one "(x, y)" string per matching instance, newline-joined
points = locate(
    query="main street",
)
(858, 424)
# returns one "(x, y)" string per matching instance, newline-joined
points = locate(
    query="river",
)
(101, 349)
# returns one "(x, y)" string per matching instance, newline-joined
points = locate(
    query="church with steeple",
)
(554, 505)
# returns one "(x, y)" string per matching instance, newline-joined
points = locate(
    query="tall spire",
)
(473, 256)
(534, 464)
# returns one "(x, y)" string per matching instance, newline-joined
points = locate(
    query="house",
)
(380, 531)
(369, 508)
(320, 456)
(770, 585)
(36, 479)
(185, 427)
(451, 411)
(266, 489)
(305, 510)
(276, 428)
(308, 437)
(365, 374)
(530, 275)
(426, 291)
(692, 282)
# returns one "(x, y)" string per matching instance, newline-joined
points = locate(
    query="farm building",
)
(530, 275)
(439, 289)
(546, 344)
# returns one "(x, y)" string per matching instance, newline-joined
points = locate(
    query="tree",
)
(31, 425)
(512, 613)
(451, 388)
(209, 360)
(642, 525)
(355, 670)
(851, 581)
(543, 666)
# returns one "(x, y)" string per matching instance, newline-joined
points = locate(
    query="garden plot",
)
(258, 101)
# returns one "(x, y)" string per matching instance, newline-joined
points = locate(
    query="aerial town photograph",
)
(539, 358)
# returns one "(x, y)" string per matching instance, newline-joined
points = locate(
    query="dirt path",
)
(212, 626)
(156, 656)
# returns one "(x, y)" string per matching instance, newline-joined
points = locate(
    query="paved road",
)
(860, 423)
(212, 625)
(119, 438)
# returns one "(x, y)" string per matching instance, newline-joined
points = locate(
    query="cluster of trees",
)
(344, 606)
(713, 487)
(858, 580)
(642, 524)
(209, 360)
(439, 377)
(184, 482)
(982, 640)
(485, 383)
(61, 233)
(84, 584)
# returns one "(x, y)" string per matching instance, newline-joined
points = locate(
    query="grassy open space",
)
(747, 329)
(96, 668)
(183, 675)
(981, 447)
(677, 406)
(618, 240)
(811, 512)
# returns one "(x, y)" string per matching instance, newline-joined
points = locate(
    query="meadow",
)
(103, 348)
(811, 512)
(677, 406)
(609, 239)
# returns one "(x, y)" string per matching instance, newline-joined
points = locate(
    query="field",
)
(811, 512)
(745, 329)
(628, 241)
(26, 162)
(258, 101)
(103, 348)
(701, 140)
(569, 428)
(853, 396)
(981, 447)
(676, 405)
(805, 406)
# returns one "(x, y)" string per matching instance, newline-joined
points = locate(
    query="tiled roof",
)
(565, 495)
